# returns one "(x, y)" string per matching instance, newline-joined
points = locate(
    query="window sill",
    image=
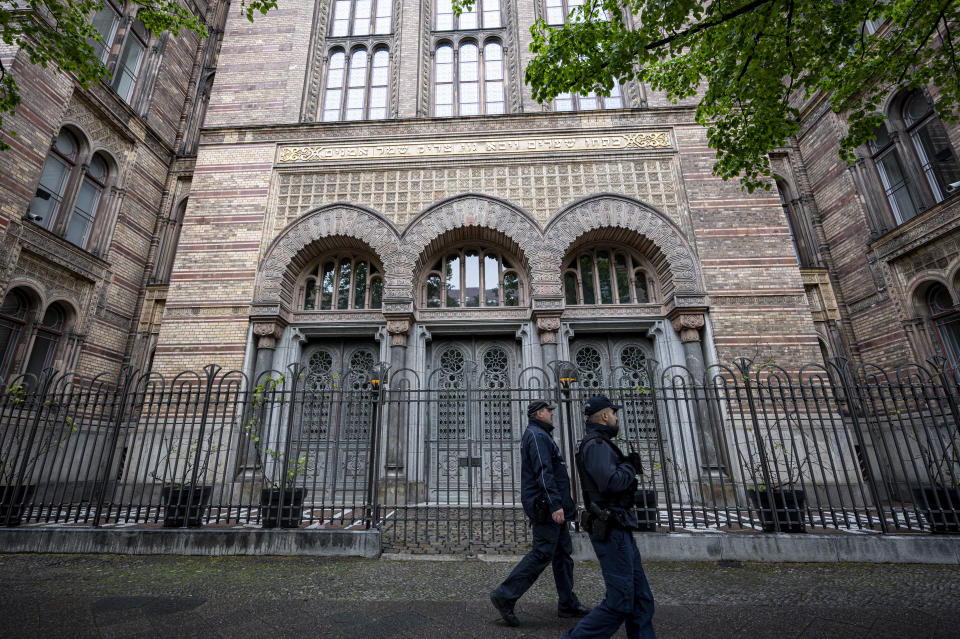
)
(938, 220)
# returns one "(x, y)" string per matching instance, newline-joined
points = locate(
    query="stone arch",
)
(465, 211)
(680, 270)
(331, 226)
(919, 288)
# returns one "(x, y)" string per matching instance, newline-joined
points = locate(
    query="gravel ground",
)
(165, 596)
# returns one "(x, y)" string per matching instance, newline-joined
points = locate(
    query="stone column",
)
(399, 330)
(266, 332)
(688, 326)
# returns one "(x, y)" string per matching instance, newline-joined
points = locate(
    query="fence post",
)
(294, 369)
(564, 373)
(743, 367)
(940, 366)
(657, 424)
(126, 381)
(839, 364)
(211, 370)
(43, 385)
(379, 375)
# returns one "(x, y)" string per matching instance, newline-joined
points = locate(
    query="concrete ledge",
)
(317, 543)
(769, 547)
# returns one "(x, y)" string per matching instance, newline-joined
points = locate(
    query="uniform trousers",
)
(628, 597)
(551, 544)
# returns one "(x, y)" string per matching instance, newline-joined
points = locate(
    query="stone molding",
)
(688, 326)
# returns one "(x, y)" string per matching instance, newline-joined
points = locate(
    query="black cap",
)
(538, 404)
(597, 403)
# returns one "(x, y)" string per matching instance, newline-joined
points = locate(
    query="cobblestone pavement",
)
(126, 596)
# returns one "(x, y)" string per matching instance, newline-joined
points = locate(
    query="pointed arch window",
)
(13, 319)
(935, 154)
(469, 80)
(605, 275)
(472, 278)
(49, 334)
(343, 282)
(57, 168)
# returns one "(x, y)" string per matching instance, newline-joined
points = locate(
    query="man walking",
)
(609, 482)
(545, 494)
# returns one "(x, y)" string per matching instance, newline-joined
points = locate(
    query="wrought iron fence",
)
(435, 463)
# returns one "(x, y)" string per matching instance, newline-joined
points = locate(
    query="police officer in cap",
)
(545, 494)
(608, 478)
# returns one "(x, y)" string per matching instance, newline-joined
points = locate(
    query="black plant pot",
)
(940, 507)
(645, 504)
(785, 504)
(185, 505)
(13, 502)
(284, 514)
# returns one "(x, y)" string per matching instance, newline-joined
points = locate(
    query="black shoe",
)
(505, 610)
(579, 611)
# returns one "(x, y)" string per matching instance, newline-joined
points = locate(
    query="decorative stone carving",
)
(547, 327)
(688, 325)
(268, 333)
(399, 330)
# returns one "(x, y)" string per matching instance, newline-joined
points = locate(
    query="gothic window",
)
(70, 192)
(472, 277)
(13, 318)
(356, 86)
(361, 18)
(469, 79)
(167, 248)
(900, 190)
(606, 276)
(946, 321)
(484, 14)
(934, 153)
(589, 363)
(343, 282)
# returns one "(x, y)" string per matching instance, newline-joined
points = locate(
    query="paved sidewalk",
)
(152, 596)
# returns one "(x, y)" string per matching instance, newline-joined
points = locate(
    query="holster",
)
(541, 510)
(598, 522)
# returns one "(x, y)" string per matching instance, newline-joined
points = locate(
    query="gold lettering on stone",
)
(619, 141)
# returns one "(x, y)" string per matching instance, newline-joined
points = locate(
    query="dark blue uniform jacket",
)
(610, 475)
(543, 471)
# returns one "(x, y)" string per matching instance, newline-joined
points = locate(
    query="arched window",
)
(471, 278)
(484, 14)
(366, 83)
(604, 275)
(946, 322)
(88, 199)
(47, 339)
(105, 21)
(13, 317)
(361, 18)
(900, 190)
(57, 168)
(559, 10)
(470, 80)
(935, 154)
(343, 282)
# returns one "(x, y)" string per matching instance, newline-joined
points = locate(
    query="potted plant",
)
(186, 469)
(939, 502)
(281, 500)
(782, 503)
(22, 447)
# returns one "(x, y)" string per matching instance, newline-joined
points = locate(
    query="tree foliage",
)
(753, 60)
(60, 33)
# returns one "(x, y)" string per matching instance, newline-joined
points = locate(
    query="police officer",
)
(545, 494)
(609, 482)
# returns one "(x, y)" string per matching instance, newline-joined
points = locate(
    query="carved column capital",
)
(688, 325)
(547, 326)
(399, 330)
(268, 332)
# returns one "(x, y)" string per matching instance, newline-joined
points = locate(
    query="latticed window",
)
(469, 80)
(356, 87)
(606, 276)
(472, 278)
(343, 283)
(361, 18)
(484, 14)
